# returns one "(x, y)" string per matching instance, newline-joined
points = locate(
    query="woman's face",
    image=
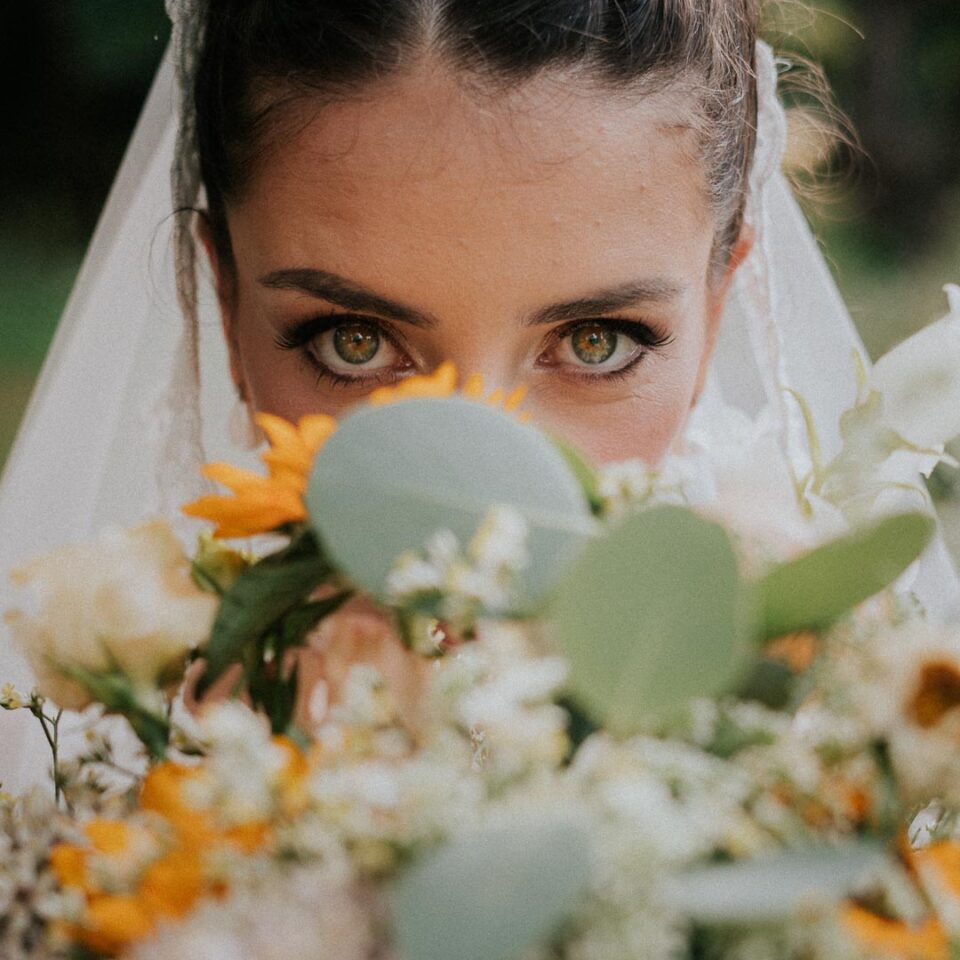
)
(554, 237)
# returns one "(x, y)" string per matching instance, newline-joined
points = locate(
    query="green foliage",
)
(114, 690)
(772, 888)
(491, 895)
(817, 588)
(651, 616)
(392, 476)
(584, 472)
(655, 613)
(266, 612)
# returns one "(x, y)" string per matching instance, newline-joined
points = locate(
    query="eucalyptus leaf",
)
(491, 895)
(583, 470)
(261, 597)
(650, 616)
(390, 477)
(817, 588)
(771, 888)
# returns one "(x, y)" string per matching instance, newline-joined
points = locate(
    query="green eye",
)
(356, 343)
(593, 343)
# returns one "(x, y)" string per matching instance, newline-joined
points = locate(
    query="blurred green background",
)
(76, 72)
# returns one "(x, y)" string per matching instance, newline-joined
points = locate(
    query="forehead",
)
(421, 173)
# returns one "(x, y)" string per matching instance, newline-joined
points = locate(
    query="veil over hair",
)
(135, 392)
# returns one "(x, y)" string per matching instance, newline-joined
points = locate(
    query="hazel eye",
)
(356, 343)
(593, 343)
(356, 347)
(597, 345)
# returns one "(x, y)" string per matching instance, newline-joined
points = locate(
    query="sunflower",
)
(260, 504)
(443, 383)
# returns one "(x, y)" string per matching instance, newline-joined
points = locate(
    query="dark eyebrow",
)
(345, 293)
(352, 296)
(630, 294)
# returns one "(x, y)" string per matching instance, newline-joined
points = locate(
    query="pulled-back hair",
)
(259, 55)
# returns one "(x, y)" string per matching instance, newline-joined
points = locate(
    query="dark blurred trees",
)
(74, 76)
(895, 68)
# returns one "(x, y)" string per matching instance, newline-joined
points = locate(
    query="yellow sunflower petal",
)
(472, 388)
(248, 514)
(288, 453)
(315, 430)
(233, 477)
(281, 433)
(441, 383)
(286, 474)
(515, 398)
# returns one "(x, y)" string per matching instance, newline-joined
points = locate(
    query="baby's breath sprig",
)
(12, 699)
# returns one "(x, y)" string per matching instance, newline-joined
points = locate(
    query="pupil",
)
(594, 343)
(356, 342)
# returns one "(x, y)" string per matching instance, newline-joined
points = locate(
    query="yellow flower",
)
(880, 937)
(443, 383)
(173, 884)
(113, 922)
(260, 504)
(116, 849)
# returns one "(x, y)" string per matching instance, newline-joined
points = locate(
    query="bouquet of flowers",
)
(467, 695)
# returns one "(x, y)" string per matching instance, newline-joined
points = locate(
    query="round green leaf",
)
(392, 476)
(771, 888)
(491, 895)
(649, 617)
(815, 589)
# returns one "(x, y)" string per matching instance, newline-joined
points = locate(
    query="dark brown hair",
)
(260, 55)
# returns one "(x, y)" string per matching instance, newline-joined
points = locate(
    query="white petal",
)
(920, 381)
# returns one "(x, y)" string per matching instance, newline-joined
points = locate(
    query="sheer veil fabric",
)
(135, 392)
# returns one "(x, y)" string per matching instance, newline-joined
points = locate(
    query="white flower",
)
(484, 577)
(244, 765)
(126, 600)
(410, 575)
(624, 484)
(920, 381)
(10, 697)
(903, 685)
(500, 543)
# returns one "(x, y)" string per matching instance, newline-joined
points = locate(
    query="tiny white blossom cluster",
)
(30, 895)
(464, 584)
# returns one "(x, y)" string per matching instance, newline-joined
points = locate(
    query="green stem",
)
(53, 740)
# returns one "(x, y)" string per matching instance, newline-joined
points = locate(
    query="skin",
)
(475, 214)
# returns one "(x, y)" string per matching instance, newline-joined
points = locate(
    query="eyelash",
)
(644, 334)
(300, 336)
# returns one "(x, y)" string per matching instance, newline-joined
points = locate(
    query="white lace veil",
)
(135, 392)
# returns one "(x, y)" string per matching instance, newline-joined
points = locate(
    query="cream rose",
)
(126, 601)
